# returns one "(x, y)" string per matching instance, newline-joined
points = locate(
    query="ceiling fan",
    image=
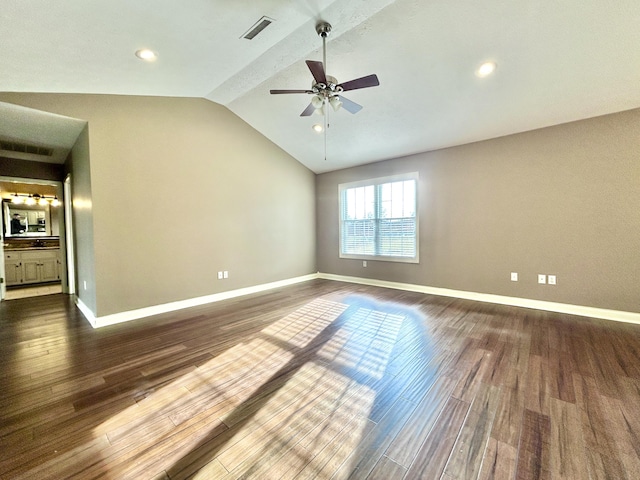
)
(326, 89)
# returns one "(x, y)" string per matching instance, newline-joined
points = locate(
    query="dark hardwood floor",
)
(316, 381)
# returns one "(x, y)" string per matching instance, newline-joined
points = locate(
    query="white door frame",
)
(68, 227)
(3, 275)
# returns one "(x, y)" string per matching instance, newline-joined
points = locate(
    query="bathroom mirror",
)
(22, 220)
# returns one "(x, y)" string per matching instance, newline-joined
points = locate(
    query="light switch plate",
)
(551, 279)
(219, 275)
(225, 274)
(514, 276)
(542, 279)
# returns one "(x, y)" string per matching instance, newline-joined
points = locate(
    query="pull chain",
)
(326, 128)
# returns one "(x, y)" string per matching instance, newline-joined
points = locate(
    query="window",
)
(378, 219)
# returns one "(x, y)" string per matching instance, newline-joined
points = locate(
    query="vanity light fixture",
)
(146, 54)
(34, 199)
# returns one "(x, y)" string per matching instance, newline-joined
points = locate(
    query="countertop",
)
(22, 249)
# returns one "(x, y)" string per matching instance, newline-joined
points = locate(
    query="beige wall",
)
(563, 200)
(78, 165)
(182, 188)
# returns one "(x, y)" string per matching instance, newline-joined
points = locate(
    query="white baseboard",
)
(593, 312)
(86, 311)
(127, 316)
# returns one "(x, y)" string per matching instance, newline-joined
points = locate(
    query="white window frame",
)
(375, 182)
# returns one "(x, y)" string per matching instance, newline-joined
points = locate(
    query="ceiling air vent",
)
(259, 26)
(24, 148)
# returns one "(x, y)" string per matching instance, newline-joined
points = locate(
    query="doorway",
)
(33, 247)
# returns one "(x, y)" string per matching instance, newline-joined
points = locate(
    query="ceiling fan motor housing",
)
(323, 29)
(331, 88)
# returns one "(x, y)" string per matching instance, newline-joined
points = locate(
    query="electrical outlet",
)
(225, 274)
(514, 276)
(364, 263)
(542, 278)
(219, 275)
(552, 279)
(85, 284)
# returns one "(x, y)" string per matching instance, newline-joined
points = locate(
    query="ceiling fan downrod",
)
(323, 29)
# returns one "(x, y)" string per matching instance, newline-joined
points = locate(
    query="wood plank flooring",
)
(321, 380)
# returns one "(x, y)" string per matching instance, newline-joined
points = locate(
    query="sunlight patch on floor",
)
(365, 350)
(277, 399)
(225, 389)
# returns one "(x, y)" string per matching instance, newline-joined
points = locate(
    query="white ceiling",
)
(558, 61)
(32, 127)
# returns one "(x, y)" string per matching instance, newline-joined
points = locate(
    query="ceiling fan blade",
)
(276, 92)
(317, 70)
(308, 111)
(350, 106)
(363, 82)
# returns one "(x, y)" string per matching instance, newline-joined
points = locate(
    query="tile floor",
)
(33, 291)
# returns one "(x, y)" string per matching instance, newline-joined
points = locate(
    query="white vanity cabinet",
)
(23, 267)
(13, 268)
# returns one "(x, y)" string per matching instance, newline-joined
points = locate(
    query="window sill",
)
(380, 258)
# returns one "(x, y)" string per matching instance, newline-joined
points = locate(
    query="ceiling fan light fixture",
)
(146, 55)
(335, 103)
(326, 89)
(318, 128)
(486, 69)
(317, 101)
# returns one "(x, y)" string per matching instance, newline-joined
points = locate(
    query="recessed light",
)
(146, 54)
(317, 128)
(486, 69)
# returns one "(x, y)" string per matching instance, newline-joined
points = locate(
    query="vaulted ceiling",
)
(557, 61)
